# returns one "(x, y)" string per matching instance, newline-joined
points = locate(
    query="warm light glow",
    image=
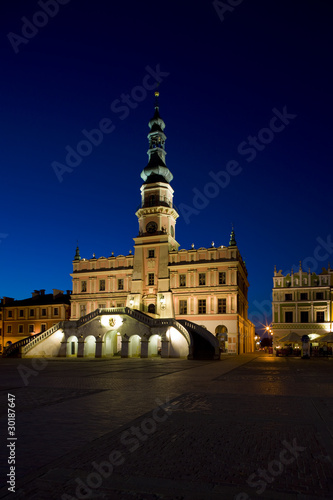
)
(59, 335)
(116, 321)
(313, 336)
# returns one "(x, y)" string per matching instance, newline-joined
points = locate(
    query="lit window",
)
(120, 284)
(222, 278)
(101, 306)
(221, 306)
(202, 279)
(202, 306)
(83, 286)
(183, 307)
(102, 285)
(182, 280)
(151, 278)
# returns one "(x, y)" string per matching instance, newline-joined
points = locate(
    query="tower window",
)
(83, 286)
(222, 278)
(202, 306)
(202, 278)
(221, 306)
(182, 280)
(101, 285)
(121, 284)
(183, 307)
(151, 254)
(151, 279)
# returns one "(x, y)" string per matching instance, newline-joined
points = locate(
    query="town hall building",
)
(158, 299)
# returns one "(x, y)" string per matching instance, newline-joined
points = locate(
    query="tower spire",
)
(232, 242)
(156, 169)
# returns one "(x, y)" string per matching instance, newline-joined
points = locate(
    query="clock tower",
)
(150, 291)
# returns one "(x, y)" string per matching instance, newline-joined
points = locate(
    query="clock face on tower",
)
(151, 227)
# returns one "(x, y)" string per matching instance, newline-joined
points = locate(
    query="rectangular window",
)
(222, 278)
(56, 311)
(21, 313)
(202, 306)
(320, 296)
(182, 280)
(304, 296)
(32, 312)
(304, 316)
(151, 254)
(10, 314)
(9, 329)
(151, 278)
(102, 285)
(221, 306)
(288, 296)
(82, 310)
(183, 307)
(43, 312)
(31, 328)
(320, 316)
(101, 306)
(120, 284)
(20, 329)
(202, 278)
(43, 327)
(83, 286)
(288, 317)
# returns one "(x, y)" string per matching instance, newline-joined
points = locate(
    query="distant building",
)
(302, 303)
(21, 318)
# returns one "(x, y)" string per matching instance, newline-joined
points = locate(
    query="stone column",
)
(99, 347)
(164, 348)
(144, 348)
(124, 347)
(80, 348)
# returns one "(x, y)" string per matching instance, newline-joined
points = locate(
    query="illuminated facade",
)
(302, 303)
(22, 318)
(205, 286)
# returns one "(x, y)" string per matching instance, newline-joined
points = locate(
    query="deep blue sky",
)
(225, 78)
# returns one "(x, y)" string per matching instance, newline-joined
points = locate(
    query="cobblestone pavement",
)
(247, 427)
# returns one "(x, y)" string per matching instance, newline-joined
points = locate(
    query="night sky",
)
(246, 94)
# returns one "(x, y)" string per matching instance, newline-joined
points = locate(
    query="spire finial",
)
(300, 265)
(232, 242)
(157, 94)
(77, 253)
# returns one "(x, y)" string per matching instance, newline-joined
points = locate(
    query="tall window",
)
(151, 254)
(82, 310)
(21, 313)
(151, 278)
(202, 306)
(43, 312)
(182, 280)
(288, 296)
(31, 328)
(288, 317)
(56, 311)
(83, 286)
(120, 284)
(183, 307)
(101, 285)
(10, 314)
(221, 306)
(20, 329)
(9, 329)
(202, 278)
(304, 316)
(32, 312)
(43, 328)
(320, 316)
(222, 278)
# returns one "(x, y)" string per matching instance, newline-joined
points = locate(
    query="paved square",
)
(251, 426)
